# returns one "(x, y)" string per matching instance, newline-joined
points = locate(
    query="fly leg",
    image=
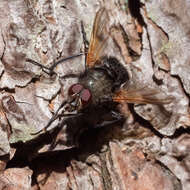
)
(43, 67)
(64, 59)
(71, 75)
(54, 117)
(50, 70)
(117, 118)
(57, 115)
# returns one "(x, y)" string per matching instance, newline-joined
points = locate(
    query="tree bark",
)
(149, 150)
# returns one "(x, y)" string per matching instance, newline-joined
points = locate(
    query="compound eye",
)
(75, 89)
(85, 96)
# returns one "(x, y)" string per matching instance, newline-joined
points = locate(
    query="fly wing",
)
(98, 38)
(142, 96)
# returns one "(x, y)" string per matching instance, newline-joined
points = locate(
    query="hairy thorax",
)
(99, 83)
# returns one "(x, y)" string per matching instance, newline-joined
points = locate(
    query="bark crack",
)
(106, 179)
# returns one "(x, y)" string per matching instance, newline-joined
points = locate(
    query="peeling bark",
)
(149, 150)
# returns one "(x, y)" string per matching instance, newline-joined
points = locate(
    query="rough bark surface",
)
(149, 151)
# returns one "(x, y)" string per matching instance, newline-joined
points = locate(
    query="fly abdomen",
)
(115, 70)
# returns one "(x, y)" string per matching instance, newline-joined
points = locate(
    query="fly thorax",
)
(99, 83)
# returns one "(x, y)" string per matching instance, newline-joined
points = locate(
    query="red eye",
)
(85, 96)
(75, 89)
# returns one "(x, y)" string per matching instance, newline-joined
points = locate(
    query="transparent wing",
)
(99, 36)
(142, 96)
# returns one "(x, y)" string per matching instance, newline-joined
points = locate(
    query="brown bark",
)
(150, 150)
